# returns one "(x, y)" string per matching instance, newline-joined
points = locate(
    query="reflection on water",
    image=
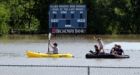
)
(9, 55)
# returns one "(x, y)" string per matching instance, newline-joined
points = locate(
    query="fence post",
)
(88, 70)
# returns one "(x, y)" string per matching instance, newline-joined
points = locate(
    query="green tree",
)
(135, 16)
(4, 18)
(22, 18)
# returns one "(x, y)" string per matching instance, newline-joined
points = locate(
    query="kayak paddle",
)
(49, 38)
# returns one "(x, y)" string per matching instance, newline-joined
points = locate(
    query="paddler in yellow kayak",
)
(54, 48)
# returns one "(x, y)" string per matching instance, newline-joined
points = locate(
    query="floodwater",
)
(14, 61)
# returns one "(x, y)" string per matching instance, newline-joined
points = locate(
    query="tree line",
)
(103, 16)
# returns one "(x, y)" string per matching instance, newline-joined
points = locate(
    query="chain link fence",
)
(66, 70)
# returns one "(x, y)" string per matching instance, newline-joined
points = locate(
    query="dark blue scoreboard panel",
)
(67, 18)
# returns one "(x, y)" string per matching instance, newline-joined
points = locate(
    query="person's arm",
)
(111, 50)
(100, 42)
(51, 45)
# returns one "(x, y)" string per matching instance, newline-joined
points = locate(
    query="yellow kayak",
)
(31, 54)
